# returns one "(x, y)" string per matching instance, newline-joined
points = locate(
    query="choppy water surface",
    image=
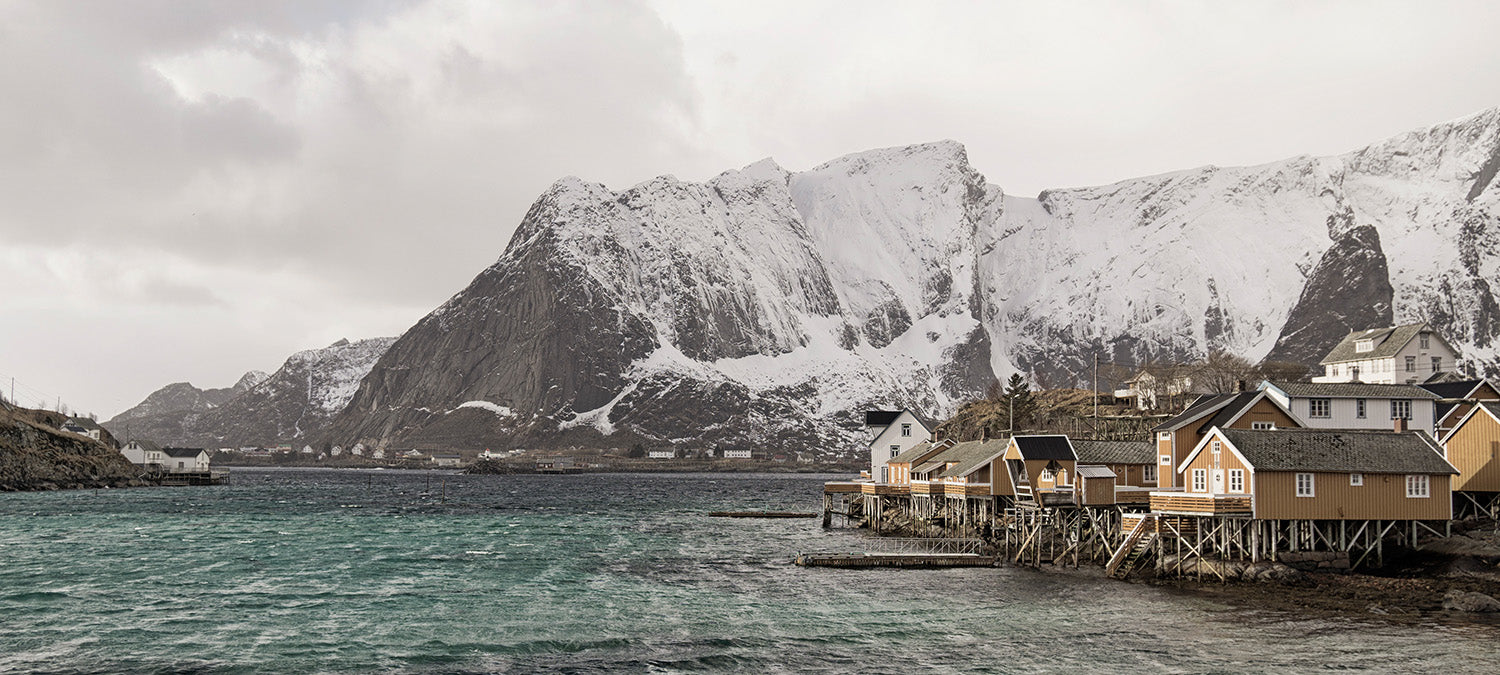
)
(341, 571)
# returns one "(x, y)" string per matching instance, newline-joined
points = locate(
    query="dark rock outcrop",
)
(1349, 290)
(35, 457)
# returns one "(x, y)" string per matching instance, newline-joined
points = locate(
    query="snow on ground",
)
(496, 408)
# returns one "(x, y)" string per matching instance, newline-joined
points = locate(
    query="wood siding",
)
(1343, 414)
(1227, 461)
(1473, 450)
(1382, 497)
(1096, 491)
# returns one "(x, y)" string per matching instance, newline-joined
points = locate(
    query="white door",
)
(1218, 487)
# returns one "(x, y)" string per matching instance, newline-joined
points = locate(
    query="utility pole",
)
(1096, 395)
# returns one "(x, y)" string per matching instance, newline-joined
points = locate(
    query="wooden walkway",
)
(908, 560)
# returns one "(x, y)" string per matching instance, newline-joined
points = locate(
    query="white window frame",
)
(1422, 341)
(1306, 485)
(1364, 346)
(1313, 404)
(1263, 426)
(1356, 480)
(1401, 405)
(895, 450)
(1237, 481)
(1148, 473)
(1200, 480)
(1164, 436)
(1437, 364)
(1166, 460)
(1418, 486)
(1359, 408)
(1411, 364)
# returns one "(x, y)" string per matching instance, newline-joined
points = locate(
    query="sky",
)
(192, 190)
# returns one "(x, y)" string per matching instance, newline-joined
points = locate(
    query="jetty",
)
(912, 552)
(760, 514)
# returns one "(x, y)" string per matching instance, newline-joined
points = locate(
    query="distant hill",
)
(291, 405)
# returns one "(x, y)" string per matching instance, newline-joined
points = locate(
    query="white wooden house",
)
(1356, 405)
(892, 432)
(144, 453)
(1407, 354)
(185, 460)
(1154, 387)
(82, 426)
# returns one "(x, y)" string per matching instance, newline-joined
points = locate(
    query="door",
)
(1218, 486)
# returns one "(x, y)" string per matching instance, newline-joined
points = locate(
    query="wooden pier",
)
(183, 478)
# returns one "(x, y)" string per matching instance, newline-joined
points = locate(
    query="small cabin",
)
(1041, 468)
(977, 469)
(1134, 463)
(1095, 486)
(1314, 474)
(185, 460)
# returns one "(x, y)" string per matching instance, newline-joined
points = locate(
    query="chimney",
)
(1400, 425)
(1239, 386)
(984, 433)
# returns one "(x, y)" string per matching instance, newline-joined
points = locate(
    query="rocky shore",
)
(36, 457)
(1456, 578)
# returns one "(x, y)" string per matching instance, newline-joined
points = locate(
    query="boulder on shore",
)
(1470, 602)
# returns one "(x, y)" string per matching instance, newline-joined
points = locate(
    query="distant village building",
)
(377, 453)
(358, 450)
(447, 459)
(144, 453)
(1407, 354)
(1155, 386)
(82, 426)
(891, 433)
(660, 453)
(336, 451)
(307, 449)
(186, 460)
(556, 463)
(737, 453)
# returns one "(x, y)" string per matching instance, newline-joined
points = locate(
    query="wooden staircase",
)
(1136, 547)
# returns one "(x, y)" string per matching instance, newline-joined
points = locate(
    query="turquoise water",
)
(346, 571)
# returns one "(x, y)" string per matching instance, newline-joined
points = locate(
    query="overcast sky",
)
(191, 190)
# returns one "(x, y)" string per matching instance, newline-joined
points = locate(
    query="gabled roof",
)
(1455, 389)
(1199, 408)
(149, 446)
(1044, 447)
(1094, 472)
(182, 452)
(1114, 452)
(937, 461)
(1410, 452)
(1351, 390)
(880, 418)
(1491, 407)
(972, 455)
(1231, 410)
(83, 422)
(1388, 341)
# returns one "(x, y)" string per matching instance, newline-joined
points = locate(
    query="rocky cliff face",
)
(36, 457)
(766, 307)
(291, 405)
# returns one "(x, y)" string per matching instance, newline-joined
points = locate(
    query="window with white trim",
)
(1166, 460)
(1359, 408)
(1437, 364)
(895, 450)
(1237, 480)
(1164, 436)
(1422, 341)
(1148, 473)
(1200, 480)
(1411, 364)
(1305, 485)
(1417, 487)
(1263, 426)
(1364, 346)
(1215, 448)
(1317, 407)
(1356, 479)
(1400, 409)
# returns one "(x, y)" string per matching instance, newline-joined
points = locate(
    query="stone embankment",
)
(35, 457)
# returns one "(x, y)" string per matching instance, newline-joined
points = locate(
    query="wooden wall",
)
(1473, 450)
(1382, 497)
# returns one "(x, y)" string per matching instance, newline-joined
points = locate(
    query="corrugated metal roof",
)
(1095, 472)
(1390, 340)
(1339, 451)
(1115, 452)
(1352, 390)
(1045, 447)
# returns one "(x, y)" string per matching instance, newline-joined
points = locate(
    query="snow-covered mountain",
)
(766, 307)
(293, 404)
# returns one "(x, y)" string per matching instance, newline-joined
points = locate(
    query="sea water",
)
(419, 572)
